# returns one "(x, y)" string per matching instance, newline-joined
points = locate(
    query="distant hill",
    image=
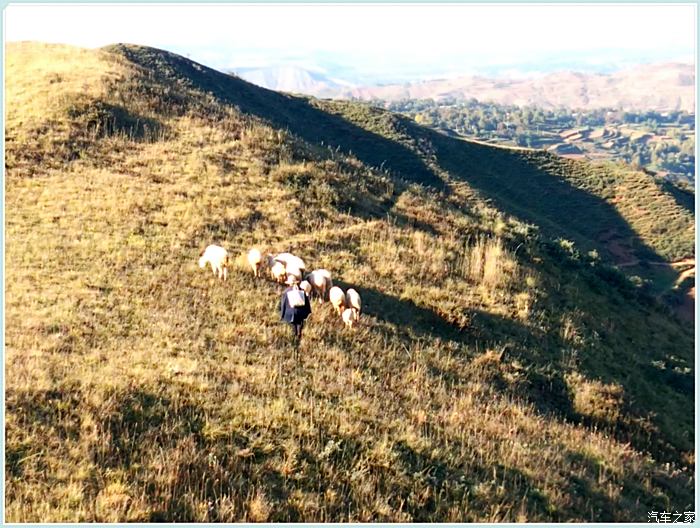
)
(292, 79)
(513, 362)
(662, 87)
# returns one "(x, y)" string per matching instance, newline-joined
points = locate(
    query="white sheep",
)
(255, 261)
(350, 317)
(304, 285)
(353, 301)
(291, 262)
(293, 272)
(321, 283)
(217, 257)
(278, 272)
(337, 298)
(269, 263)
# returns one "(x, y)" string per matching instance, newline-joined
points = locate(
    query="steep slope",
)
(626, 205)
(588, 203)
(140, 388)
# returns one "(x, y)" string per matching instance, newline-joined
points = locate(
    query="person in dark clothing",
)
(295, 307)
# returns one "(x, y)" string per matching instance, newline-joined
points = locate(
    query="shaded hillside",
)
(140, 388)
(578, 200)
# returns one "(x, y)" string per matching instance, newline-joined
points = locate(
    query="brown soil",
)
(686, 310)
(685, 262)
(686, 273)
(621, 251)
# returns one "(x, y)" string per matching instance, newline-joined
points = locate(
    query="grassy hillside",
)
(498, 374)
(587, 203)
(590, 204)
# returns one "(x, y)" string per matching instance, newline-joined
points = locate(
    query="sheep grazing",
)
(255, 261)
(353, 301)
(218, 258)
(293, 272)
(350, 317)
(304, 285)
(321, 283)
(278, 272)
(337, 298)
(269, 263)
(291, 262)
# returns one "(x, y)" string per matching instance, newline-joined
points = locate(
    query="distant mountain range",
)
(661, 87)
(294, 79)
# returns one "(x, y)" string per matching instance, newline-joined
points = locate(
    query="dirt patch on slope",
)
(620, 250)
(686, 309)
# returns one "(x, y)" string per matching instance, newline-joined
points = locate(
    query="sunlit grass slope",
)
(497, 374)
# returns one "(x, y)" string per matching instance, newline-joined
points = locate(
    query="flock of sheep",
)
(280, 268)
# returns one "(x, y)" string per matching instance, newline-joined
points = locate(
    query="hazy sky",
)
(382, 41)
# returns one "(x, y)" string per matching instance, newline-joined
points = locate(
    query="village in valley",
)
(665, 149)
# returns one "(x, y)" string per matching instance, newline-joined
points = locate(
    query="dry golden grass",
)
(597, 400)
(488, 262)
(140, 388)
(42, 78)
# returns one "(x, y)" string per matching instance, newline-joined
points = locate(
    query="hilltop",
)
(660, 87)
(504, 369)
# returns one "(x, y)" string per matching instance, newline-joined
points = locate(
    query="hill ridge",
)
(367, 131)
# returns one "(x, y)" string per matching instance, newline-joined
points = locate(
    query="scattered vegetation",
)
(662, 142)
(497, 375)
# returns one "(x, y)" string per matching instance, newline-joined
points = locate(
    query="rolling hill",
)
(504, 368)
(660, 87)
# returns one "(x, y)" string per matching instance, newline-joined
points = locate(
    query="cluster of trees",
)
(673, 156)
(484, 120)
(531, 126)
